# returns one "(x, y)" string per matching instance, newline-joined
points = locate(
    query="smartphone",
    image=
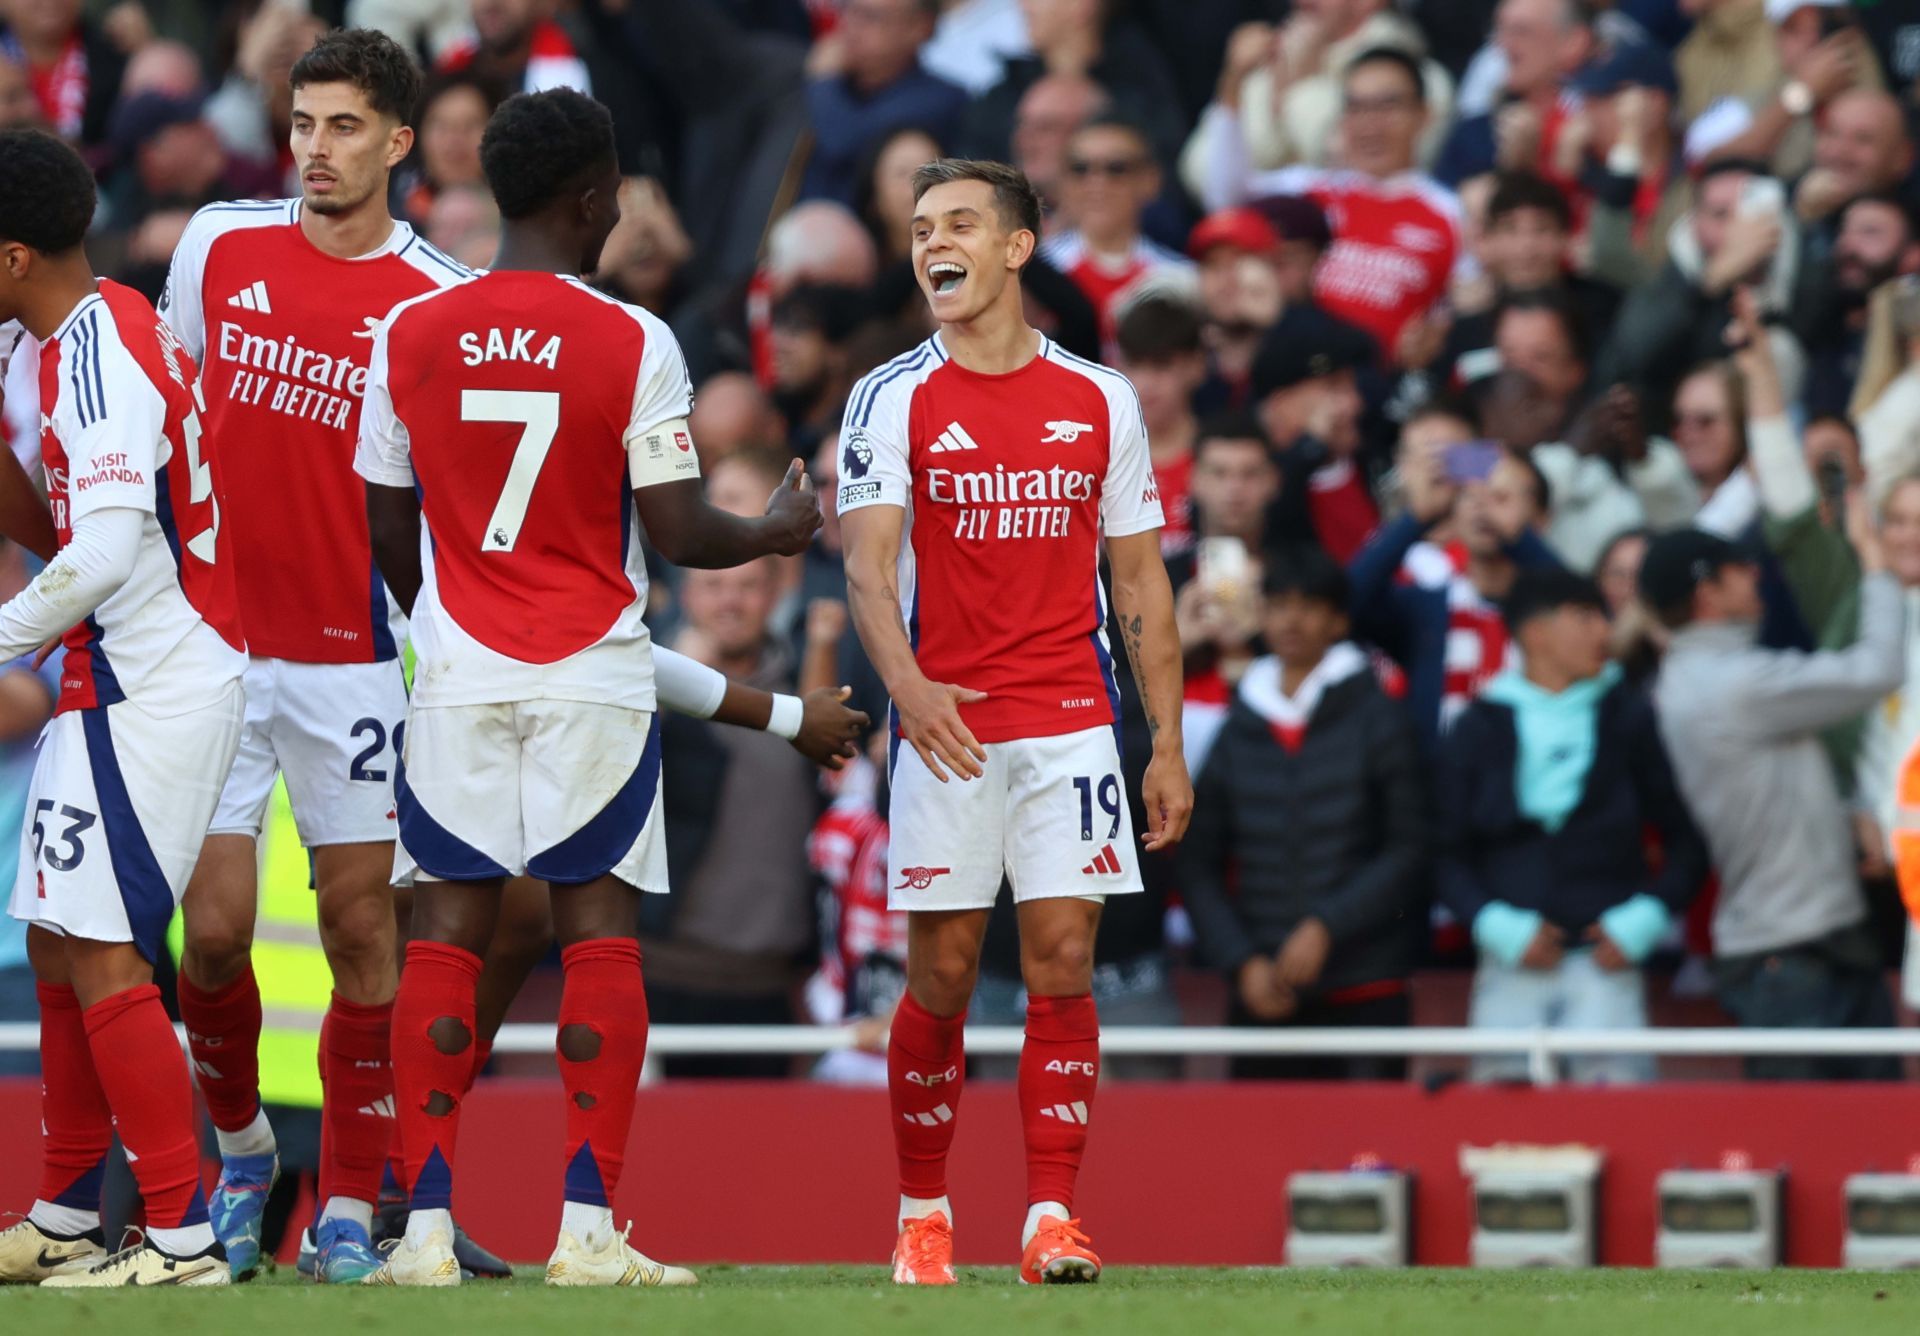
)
(1831, 476)
(1762, 197)
(1472, 461)
(1224, 568)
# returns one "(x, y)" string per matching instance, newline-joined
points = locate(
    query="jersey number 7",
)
(538, 412)
(200, 480)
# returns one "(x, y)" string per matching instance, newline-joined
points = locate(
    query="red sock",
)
(438, 982)
(223, 1035)
(482, 1055)
(146, 1084)
(926, 1070)
(603, 1023)
(73, 1110)
(359, 1111)
(1059, 1066)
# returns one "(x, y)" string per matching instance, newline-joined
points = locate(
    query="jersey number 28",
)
(538, 413)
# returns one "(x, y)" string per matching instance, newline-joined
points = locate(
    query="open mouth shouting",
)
(945, 277)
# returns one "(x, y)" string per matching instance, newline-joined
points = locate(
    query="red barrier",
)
(1178, 1173)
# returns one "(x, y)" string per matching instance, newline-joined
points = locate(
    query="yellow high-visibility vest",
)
(288, 962)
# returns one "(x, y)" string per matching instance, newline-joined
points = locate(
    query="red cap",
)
(1242, 228)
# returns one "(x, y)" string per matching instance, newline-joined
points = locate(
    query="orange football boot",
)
(1059, 1254)
(924, 1253)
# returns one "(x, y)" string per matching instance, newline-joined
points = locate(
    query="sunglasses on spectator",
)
(1114, 167)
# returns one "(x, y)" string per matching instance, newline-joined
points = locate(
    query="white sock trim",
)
(186, 1241)
(256, 1138)
(918, 1208)
(349, 1208)
(64, 1220)
(591, 1225)
(423, 1225)
(1042, 1210)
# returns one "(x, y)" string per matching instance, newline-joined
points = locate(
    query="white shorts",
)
(332, 729)
(1049, 813)
(116, 813)
(560, 790)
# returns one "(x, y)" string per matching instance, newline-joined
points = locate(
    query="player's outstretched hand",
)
(930, 721)
(795, 511)
(1168, 795)
(829, 732)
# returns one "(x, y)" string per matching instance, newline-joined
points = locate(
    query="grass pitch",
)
(850, 1301)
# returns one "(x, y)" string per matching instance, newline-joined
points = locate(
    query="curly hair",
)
(46, 192)
(369, 60)
(538, 145)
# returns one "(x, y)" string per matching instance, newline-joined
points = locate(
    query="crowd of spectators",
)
(1533, 389)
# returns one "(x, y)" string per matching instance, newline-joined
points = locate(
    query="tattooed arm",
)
(1143, 602)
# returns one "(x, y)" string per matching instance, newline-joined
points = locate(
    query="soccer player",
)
(980, 473)
(278, 301)
(529, 421)
(146, 726)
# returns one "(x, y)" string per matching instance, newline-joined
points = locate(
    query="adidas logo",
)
(380, 1108)
(1067, 1113)
(953, 438)
(252, 298)
(1106, 865)
(941, 1114)
(208, 1070)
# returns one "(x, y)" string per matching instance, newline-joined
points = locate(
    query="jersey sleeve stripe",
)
(893, 370)
(428, 251)
(93, 362)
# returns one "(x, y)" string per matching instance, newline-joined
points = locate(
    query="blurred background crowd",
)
(1531, 388)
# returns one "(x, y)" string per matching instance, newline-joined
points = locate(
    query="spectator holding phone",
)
(1546, 784)
(1305, 864)
(1738, 233)
(1426, 588)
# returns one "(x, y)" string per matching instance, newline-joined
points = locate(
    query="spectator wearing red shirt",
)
(74, 71)
(517, 45)
(1160, 352)
(1396, 231)
(1111, 179)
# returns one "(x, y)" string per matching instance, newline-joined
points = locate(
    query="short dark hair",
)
(1514, 191)
(369, 60)
(1234, 425)
(1445, 405)
(1158, 329)
(1727, 166)
(1536, 479)
(439, 85)
(1013, 195)
(1117, 120)
(540, 145)
(47, 193)
(1887, 199)
(1308, 570)
(1540, 591)
(1558, 304)
(1393, 55)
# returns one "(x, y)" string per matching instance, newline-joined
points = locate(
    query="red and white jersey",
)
(282, 332)
(552, 61)
(1102, 277)
(525, 407)
(1395, 243)
(863, 945)
(1008, 482)
(119, 429)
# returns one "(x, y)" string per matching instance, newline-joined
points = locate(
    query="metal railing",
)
(1540, 1047)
